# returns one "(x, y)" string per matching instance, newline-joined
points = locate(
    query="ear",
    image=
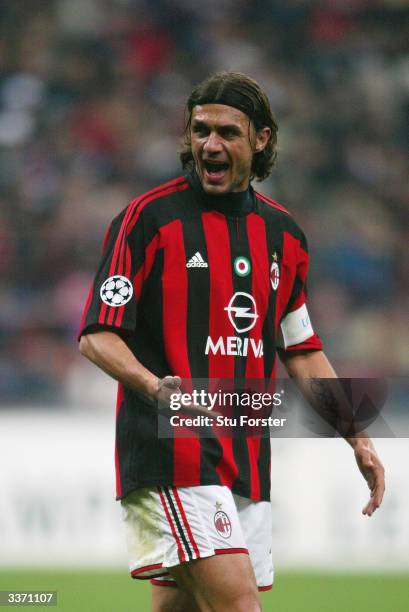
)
(262, 138)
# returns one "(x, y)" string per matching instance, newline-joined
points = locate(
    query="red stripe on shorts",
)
(147, 568)
(182, 555)
(165, 583)
(230, 551)
(185, 522)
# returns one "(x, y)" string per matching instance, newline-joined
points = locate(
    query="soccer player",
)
(203, 277)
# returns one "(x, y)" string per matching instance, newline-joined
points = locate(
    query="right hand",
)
(167, 386)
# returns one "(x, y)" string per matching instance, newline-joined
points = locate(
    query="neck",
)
(232, 204)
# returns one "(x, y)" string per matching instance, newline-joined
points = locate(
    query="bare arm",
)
(110, 353)
(305, 366)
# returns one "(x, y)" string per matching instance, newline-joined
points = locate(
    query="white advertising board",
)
(57, 505)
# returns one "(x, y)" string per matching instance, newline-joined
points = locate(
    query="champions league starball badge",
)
(116, 291)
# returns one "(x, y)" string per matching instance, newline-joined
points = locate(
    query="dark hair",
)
(242, 92)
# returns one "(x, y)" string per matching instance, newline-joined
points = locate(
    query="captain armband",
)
(295, 328)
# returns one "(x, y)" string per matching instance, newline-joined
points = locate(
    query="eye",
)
(228, 133)
(200, 130)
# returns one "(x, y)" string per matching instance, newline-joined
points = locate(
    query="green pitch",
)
(104, 591)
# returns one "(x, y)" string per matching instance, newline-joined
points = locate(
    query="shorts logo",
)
(222, 524)
(274, 275)
(116, 291)
(242, 266)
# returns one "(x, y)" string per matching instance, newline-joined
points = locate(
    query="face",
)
(223, 141)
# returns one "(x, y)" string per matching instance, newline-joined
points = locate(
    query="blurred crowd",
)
(92, 94)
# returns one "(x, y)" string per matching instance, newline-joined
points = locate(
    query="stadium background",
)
(91, 110)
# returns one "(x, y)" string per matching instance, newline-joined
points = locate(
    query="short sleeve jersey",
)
(201, 294)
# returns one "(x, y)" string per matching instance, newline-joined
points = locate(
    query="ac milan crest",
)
(274, 275)
(222, 524)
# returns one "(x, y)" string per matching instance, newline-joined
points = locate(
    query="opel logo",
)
(242, 311)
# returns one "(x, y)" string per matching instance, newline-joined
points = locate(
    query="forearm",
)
(360, 440)
(110, 353)
(307, 364)
(318, 383)
(309, 370)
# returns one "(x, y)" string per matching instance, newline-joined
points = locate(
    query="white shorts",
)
(166, 526)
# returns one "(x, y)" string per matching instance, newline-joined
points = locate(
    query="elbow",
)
(84, 346)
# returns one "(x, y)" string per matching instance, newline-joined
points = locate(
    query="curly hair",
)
(244, 93)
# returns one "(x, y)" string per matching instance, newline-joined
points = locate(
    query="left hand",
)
(373, 471)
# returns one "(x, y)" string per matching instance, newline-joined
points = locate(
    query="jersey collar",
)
(237, 204)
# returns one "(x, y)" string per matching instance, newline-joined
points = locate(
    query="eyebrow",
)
(221, 128)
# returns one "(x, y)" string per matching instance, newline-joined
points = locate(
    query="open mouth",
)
(215, 171)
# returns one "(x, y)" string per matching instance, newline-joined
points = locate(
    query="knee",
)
(248, 601)
(179, 607)
(172, 599)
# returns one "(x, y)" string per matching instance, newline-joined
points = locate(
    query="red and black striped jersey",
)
(199, 287)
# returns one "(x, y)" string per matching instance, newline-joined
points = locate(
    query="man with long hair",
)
(205, 278)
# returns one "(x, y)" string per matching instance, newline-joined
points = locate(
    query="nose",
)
(213, 143)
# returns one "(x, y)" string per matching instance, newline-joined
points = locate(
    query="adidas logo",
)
(196, 261)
